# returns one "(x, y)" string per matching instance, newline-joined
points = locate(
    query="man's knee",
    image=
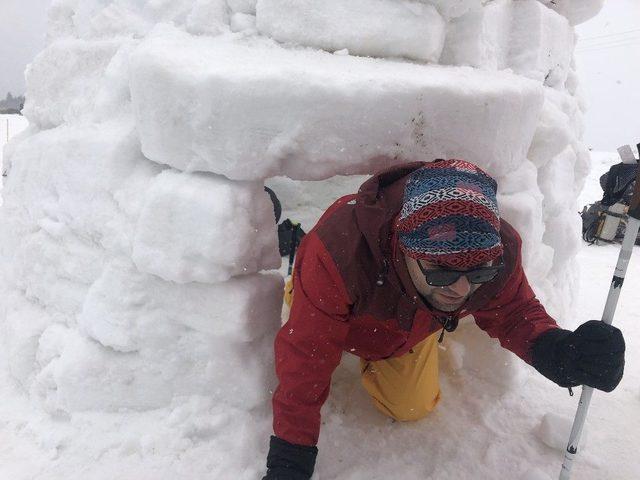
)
(409, 410)
(398, 398)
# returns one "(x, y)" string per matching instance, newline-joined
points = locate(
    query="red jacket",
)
(353, 293)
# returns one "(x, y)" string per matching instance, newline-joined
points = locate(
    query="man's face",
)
(445, 299)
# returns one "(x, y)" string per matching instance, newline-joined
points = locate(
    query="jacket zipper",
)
(447, 326)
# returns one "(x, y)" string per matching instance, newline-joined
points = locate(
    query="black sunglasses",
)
(444, 277)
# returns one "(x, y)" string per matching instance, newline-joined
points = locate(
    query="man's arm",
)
(592, 355)
(515, 316)
(308, 349)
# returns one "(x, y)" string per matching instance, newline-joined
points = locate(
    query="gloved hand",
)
(288, 461)
(593, 355)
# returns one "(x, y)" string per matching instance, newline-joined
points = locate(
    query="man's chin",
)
(446, 306)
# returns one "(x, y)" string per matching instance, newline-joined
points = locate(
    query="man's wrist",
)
(289, 461)
(549, 358)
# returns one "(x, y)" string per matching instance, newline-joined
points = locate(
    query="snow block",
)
(129, 311)
(197, 227)
(557, 182)
(64, 79)
(77, 374)
(208, 17)
(541, 43)
(23, 323)
(254, 110)
(104, 19)
(70, 200)
(522, 35)
(375, 28)
(455, 8)
(576, 11)
(563, 234)
(243, 6)
(521, 205)
(480, 38)
(243, 22)
(552, 136)
(554, 430)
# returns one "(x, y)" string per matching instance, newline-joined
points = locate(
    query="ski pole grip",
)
(634, 208)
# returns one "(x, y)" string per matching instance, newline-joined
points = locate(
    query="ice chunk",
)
(541, 43)
(376, 28)
(255, 110)
(480, 38)
(198, 227)
(63, 80)
(554, 429)
(128, 311)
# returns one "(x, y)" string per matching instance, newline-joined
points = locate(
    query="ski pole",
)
(633, 225)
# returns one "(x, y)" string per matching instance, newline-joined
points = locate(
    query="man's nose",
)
(461, 286)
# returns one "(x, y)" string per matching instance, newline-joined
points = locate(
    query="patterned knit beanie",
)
(450, 215)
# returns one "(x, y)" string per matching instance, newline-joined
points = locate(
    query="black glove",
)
(287, 461)
(593, 355)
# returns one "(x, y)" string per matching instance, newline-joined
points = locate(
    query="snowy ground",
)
(484, 428)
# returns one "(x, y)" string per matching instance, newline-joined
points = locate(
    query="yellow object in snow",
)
(288, 291)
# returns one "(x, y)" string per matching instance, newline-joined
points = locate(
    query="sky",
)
(22, 36)
(608, 61)
(607, 56)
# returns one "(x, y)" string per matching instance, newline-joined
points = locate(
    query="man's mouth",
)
(451, 298)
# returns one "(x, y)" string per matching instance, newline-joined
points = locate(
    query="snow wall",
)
(136, 238)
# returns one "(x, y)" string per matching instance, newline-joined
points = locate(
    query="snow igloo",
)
(139, 249)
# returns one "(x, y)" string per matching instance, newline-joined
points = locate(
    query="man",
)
(384, 274)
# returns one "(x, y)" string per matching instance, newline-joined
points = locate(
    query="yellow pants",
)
(404, 388)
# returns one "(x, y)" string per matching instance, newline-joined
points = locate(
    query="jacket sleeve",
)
(309, 346)
(515, 316)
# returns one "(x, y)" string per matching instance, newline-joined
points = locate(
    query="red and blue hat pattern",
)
(450, 215)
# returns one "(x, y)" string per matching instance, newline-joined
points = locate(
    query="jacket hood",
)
(378, 202)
